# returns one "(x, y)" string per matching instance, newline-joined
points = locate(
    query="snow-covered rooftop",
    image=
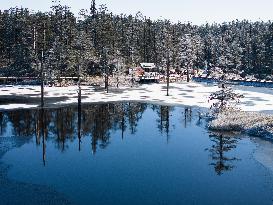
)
(147, 65)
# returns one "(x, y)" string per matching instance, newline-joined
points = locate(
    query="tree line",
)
(60, 42)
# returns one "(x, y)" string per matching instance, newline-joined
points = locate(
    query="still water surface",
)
(132, 153)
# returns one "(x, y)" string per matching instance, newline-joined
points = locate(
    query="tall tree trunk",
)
(188, 75)
(79, 117)
(106, 80)
(168, 74)
(42, 81)
(79, 104)
(42, 69)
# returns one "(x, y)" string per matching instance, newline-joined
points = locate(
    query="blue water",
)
(138, 154)
(235, 82)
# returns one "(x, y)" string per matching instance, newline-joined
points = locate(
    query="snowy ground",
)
(189, 94)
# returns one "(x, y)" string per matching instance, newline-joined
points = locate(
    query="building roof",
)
(147, 65)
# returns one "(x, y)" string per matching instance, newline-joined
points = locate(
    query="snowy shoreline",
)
(257, 102)
(181, 94)
(251, 123)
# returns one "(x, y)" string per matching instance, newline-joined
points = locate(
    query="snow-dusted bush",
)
(225, 116)
(224, 99)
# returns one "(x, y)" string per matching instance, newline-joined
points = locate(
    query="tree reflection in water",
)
(164, 119)
(3, 123)
(187, 116)
(43, 133)
(70, 123)
(222, 144)
(62, 125)
(135, 111)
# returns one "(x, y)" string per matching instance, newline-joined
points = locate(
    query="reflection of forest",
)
(187, 116)
(222, 144)
(163, 120)
(62, 124)
(94, 121)
(3, 123)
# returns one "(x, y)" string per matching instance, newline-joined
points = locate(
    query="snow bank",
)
(252, 123)
(184, 94)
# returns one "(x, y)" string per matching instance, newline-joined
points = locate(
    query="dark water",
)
(235, 82)
(126, 153)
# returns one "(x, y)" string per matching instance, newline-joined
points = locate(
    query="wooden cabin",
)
(151, 72)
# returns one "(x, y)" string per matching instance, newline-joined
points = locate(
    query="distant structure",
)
(150, 72)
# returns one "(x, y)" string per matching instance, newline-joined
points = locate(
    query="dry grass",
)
(253, 123)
